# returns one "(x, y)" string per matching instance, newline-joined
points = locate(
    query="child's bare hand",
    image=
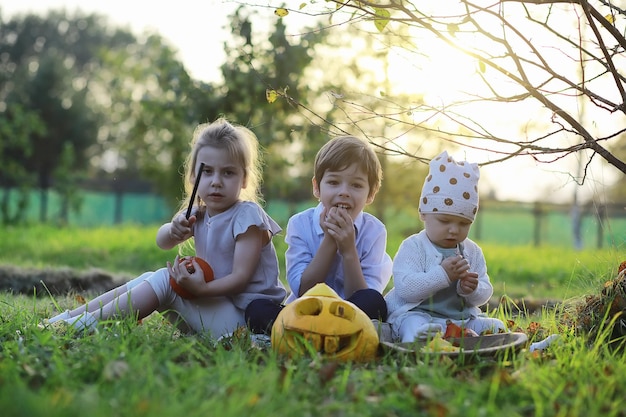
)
(339, 225)
(469, 282)
(323, 217)
(180, 227)
(456, 267)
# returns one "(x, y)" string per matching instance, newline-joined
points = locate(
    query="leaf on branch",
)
(453, 28)
(610, 18)
(282, 12)
(482, 67)
(302, 6)
(271, 95)
(382, 18)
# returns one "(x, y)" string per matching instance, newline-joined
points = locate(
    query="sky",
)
(196, 28)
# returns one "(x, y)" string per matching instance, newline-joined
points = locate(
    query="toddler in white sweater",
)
(439, 274)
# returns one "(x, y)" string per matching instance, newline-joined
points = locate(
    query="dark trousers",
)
(261, 314)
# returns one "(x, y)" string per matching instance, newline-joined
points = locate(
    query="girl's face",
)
(347, 189)
(446, 230)
(222, 179)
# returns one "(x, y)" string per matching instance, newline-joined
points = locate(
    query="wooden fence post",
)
(538, 216)
(601, 213)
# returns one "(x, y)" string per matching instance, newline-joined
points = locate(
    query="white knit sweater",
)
(418, 274)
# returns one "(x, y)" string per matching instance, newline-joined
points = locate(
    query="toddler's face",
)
(347, 189)
(446, 230)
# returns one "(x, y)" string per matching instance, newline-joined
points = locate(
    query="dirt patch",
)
(62, 281)
(58, 281)
(523, 306)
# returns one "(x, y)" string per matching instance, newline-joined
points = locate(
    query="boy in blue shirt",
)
(336, 242)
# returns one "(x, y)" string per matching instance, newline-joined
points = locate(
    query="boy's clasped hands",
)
(337, 223)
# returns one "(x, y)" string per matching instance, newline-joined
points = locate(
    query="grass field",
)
(516, 271)
(150, 369)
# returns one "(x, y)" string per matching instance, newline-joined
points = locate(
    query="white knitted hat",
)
(450, 188)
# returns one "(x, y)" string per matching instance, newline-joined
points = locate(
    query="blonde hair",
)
(343, 151)
(241, 144)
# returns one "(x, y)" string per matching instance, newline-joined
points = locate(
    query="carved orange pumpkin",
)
(321, 321)
(206, 270)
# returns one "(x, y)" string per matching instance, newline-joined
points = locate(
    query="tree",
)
(541, 60)
(45, 71)
(17, 125)
(258, 64)
(111, 106)
(152, 106)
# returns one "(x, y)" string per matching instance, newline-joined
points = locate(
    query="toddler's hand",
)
(469, 282)
(456, 267)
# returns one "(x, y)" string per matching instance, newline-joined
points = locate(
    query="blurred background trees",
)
(84, 103)
(80, 98)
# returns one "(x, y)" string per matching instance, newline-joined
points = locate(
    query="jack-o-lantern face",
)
(320, 320)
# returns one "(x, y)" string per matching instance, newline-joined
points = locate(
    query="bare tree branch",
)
(521, 49)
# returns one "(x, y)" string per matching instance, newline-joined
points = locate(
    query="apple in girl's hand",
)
(206, 270)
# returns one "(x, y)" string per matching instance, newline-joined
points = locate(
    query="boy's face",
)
(445, 230)
(347, 189)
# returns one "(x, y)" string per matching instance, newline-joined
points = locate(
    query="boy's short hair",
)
(343, 151)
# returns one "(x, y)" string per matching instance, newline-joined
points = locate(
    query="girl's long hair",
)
(243, 147)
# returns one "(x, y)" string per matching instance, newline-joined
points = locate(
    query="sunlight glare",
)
(439, 73)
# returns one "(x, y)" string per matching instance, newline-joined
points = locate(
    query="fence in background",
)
(538, 224)
(508, 223)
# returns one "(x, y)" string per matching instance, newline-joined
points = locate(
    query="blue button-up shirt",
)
(304, 236)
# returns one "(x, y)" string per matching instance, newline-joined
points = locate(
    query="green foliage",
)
(128, 106)
(158, 106)
(44, 80)
(261, 59)
(17, 124)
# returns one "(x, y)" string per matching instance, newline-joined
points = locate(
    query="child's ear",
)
(316, 188)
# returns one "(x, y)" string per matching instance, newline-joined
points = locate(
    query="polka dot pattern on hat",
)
(451, 187)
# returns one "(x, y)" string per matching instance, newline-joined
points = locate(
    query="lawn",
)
(130, 369)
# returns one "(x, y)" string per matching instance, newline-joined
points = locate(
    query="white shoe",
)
(84, 322)
(63, 316)
(542, 345)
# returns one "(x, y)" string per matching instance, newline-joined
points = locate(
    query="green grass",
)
(515, 271)
(151, 370)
